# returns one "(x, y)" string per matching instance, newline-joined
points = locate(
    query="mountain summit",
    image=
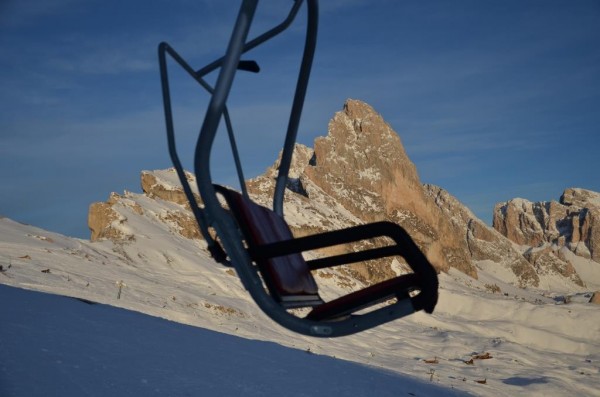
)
(362, 166)
(360, 173)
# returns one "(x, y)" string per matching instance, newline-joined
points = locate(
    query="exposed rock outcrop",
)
(595, 299)
(360, 173)
(102, 219)
(361, 170)
(165, 187)
(586, 230)
(108, 220)
(543, 228)
(573, 222)
(363, 165)
(483, 242)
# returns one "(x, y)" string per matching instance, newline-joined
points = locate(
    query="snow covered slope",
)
(536, 346)
(487, 336)
(56, 346)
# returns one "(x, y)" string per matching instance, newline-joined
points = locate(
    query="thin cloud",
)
(25, 13)
(104, 61)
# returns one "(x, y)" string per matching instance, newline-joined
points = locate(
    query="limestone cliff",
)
(543, 228)
(573, 222)
(359, 172)
(361, 167)
(483, 242)
(163, 202)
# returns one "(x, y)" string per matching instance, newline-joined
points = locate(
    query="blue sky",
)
(492, 99)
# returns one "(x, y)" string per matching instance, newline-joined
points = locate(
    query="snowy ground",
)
(57, 346)
(536, 347)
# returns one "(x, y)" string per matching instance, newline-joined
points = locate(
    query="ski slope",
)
(57, 346)
(534, 345)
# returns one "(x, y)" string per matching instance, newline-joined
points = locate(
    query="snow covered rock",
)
(549, 259)
(573, 222)
(483, 242)
(103, 220)
(162, 204)
(164, 184)
(360, 173)
(363, 165)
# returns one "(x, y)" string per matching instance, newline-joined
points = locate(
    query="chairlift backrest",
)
(257, 241)
(288, 277)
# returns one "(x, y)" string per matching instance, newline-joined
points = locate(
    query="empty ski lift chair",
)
(257, 241)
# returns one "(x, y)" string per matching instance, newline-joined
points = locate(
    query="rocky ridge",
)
(544, 230)
(359, 173)
(572, 222)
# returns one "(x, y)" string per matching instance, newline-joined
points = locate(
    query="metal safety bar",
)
(213, 214)
(165, 49)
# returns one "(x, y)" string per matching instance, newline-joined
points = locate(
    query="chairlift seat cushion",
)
(397, 287)
(289, 276)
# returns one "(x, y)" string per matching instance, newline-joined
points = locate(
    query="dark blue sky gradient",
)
(492, 100)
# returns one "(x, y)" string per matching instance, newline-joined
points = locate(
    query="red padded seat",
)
(377, 293)
(289, 275)
(289, 278)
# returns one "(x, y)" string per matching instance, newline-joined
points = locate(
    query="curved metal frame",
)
(213, 214)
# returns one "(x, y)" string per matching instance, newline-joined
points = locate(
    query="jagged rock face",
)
(110, 220)
(585, 228)
(595, 299)
(153, 187)
(360, 173)
(543, 228)
(573, 222)
(518, 221)
(580, 198)
(549, 260)
(309, 210)
(361, 170)
(101, 219)
(363, 165)
(483, 242)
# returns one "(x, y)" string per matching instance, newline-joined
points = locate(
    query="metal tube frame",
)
(214, 215)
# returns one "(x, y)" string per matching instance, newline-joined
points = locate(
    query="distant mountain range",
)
(360, 173)
(517, 294)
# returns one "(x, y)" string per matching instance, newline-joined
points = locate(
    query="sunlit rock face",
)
(359, 172)
(544, 229)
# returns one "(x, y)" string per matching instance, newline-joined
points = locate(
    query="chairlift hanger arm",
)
(228, 68)
(163, 49)
(256, 41)
(310, 45)
(325, 320)
(251, 66)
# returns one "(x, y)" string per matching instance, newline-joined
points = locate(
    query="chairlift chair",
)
(257, 241)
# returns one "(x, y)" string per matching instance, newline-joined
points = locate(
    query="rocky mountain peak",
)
(362, 156)
(162, 205)
(582, 198)
(573, 222)
(361, 165)
(358, 173)
(302, 156)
